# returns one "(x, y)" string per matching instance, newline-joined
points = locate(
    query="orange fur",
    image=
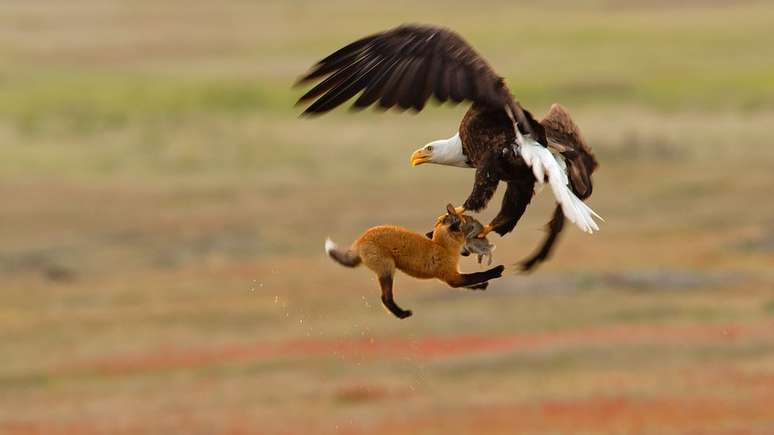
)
(385, 248)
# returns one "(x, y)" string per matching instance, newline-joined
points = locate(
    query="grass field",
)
(163, 213)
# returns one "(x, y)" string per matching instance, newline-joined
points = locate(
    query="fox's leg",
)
(472, 280)
(380, 261)
(385, 281)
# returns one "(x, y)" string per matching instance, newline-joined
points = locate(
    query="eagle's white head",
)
(442, 152)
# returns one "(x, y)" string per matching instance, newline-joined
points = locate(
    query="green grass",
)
(667, 59)
(91, 103)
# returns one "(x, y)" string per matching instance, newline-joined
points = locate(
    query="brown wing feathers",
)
(403, 67)
(376, 85)
(336, 59)
(561, 130)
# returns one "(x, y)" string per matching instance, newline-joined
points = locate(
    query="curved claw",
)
(485, 231)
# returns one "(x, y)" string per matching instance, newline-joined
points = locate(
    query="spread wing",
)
(564, 135)
(404, 67)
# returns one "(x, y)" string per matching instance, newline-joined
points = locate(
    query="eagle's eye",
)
(429, 148)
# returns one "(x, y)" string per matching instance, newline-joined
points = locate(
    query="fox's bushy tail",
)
(347, 258)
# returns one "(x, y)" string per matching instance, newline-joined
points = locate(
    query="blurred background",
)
(163, 211)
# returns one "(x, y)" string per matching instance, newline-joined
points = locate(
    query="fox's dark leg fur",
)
(555, 227)
(386, 283)
(472, 279)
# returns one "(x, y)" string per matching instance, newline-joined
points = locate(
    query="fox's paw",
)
(403, 314)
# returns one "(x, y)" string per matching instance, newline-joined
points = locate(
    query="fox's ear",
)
(450, 209)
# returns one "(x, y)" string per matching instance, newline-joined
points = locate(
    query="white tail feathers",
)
(330, 246)
(543, 163)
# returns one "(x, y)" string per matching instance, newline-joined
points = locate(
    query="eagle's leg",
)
(517, 197)
(485, 230)
(484, 187)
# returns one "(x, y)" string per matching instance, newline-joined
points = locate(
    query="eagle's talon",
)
(485, 231)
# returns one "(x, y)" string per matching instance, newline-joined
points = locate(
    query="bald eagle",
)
(405, 66)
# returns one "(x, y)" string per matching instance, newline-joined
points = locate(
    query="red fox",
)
(385, 248)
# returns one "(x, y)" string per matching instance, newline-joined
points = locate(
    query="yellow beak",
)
(420, 156)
